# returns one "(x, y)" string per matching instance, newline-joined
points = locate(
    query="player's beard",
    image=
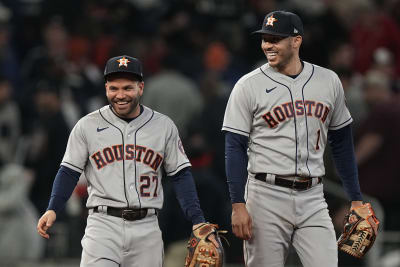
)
(283, 59)
(128, 110)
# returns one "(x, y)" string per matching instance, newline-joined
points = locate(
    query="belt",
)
(124, 213)
(285, 181)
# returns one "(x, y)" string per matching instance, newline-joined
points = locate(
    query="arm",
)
(236, 172)
(63, 186)
(341, 142)
(235, 165)
(186, 194)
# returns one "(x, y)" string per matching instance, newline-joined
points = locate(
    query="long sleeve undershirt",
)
(63, 186)
(186, 194)
(341, 142)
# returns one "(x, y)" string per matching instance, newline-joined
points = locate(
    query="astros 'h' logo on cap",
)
(123, 62)
(271, 20)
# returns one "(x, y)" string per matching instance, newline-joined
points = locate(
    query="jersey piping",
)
(152, 114)
(294, 116)
(123, 155)
(177, 168)
(334, 126)
(305, 116)
(72, 165)
(236, 129)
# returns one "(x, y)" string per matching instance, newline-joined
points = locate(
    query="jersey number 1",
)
(318, 137)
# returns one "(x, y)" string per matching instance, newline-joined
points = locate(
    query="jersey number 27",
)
(145, 183)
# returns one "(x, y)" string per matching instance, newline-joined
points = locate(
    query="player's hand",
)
(211, 237)
(45, 222)
(371, 221)
(241, 221)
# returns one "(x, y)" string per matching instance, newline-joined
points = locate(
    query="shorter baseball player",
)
(278, 120)
(123, 150)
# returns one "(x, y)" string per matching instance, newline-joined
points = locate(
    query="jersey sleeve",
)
(175, 157)
(341, 115)
(238, 113)
(76, 153)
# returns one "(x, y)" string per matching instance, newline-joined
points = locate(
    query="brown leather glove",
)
(201, 251)
(358, 235)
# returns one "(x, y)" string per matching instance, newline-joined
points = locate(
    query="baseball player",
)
(282, 114)
(123, 150)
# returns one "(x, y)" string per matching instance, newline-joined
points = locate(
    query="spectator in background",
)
(9, 61)
(48, 140)
(354, 95)
(10, 128)
(46, 61)
(19, 240)
(372, 30)
(384, 61)
(378, 144)
(340, 60)
(83, 78)
(49, 59)
(215, 94)
(174, 95)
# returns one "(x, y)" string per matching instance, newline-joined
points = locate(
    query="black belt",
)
(125, 213)
(289, 183)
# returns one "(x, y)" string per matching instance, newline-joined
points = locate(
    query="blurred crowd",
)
(52, 55)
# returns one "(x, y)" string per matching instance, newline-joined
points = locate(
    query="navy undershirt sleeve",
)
(341, 142)
(63, 186)
(185, 190)
(236, 165)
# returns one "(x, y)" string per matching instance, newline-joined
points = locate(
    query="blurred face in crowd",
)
(375, 94)
(123, 92)
(47, 102)
(5, 91)
(280, 51)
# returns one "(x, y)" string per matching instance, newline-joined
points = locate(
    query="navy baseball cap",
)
(282, 23)
(125, 64)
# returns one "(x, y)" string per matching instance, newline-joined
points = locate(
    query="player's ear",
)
(297, 40)
(141, 87)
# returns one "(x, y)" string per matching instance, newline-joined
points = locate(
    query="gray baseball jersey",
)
(123, 162)
(287, 119)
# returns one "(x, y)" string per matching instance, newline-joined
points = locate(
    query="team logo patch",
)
(180, 146)
(270, 21)
(123, 62)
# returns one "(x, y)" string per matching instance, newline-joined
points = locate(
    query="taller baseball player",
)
(123, 150)
(278, 120)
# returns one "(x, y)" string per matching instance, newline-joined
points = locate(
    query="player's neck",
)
(293, 68)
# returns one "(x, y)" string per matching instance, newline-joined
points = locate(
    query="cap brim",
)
(263, 31)
(140, 77)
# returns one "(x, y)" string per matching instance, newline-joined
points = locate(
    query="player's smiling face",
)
(124, 94)
(280, 51)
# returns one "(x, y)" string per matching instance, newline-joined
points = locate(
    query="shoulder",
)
(323, 73)
(252, 75)
(93, 117)
(159, 117)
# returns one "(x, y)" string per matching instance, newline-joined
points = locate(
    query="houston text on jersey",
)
(139, 153)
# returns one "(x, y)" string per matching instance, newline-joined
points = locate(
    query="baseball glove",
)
(201, 251)
(358, 235)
